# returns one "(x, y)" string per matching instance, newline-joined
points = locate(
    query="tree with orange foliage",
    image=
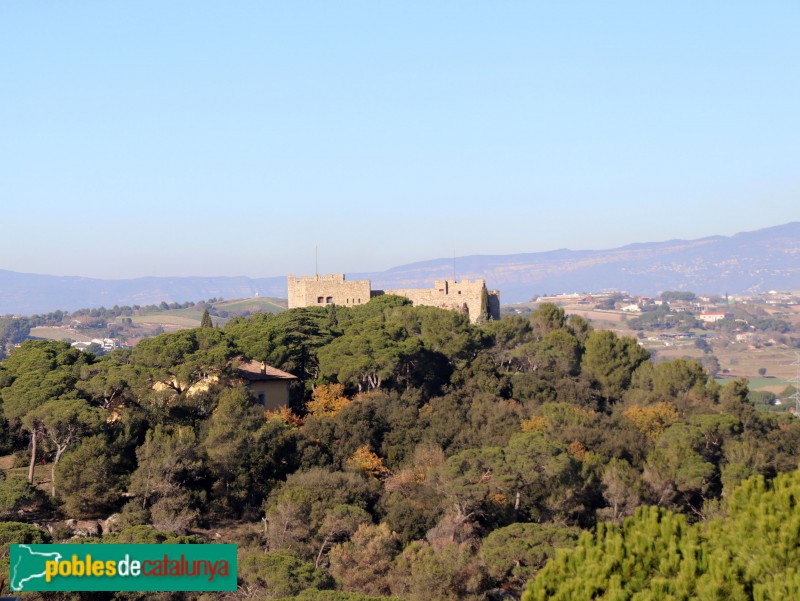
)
(285, 415)
(327, 400)
(367, 463)
(651, 421)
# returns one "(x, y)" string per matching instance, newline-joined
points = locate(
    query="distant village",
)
(755, 319)
(625, 301)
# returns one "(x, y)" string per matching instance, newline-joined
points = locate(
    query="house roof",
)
(258, 371)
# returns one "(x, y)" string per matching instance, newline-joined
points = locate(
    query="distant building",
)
(469, 297)
(268, 384)
(579, 298)
(714, 317)
(107, 344)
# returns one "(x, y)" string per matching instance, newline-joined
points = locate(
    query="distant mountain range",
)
(749, 262)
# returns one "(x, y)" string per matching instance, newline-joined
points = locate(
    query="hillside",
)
(26, 293)
(412, 455)
(744, 263)
(129, 325)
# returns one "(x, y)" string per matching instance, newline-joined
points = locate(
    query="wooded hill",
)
(424, 458)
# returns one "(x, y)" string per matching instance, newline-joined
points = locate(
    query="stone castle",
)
(468, 297)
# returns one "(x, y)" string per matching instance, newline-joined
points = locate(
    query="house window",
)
(329, 299)
(319, 300)
(261, 399)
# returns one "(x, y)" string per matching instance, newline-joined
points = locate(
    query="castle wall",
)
(465, 296)
(318, 291)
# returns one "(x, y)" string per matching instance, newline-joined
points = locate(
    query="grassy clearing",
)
(167, 319)
(49, 333)
(190, 313)
(745, 361)
(187, 313)
(171, 322)
(773, 385)
(739, 360)
(257, 304)
(762, 383)
(179, 319)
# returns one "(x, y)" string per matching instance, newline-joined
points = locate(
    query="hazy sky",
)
(230, 138)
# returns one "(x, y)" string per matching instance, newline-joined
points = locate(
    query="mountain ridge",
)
(746, 262)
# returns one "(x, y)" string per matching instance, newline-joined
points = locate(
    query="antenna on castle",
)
(316, 260)
(454, 265)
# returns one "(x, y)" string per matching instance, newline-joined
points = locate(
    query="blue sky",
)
(230, 138)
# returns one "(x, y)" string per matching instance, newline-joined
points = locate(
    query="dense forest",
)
(423, 458)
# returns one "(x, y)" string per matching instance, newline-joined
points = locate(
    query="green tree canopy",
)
(64, 422)
(612, 361)
(181, 359)
(749, 553)
(38, 372)
(369, 354)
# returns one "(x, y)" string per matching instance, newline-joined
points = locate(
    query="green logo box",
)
(123, 568)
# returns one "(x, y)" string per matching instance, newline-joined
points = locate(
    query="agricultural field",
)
(736, 360)
(744, 361)
(152, 321)
(180, 319)
(53, 333)
(253, 305)
(169, 320)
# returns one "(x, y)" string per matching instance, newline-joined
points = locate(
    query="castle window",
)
(261, 398)
(319, 300)
(329, 299)
(459, 291)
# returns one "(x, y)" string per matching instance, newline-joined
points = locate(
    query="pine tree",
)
(205, 322)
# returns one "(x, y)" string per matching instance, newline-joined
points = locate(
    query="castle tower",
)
(318, 291)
